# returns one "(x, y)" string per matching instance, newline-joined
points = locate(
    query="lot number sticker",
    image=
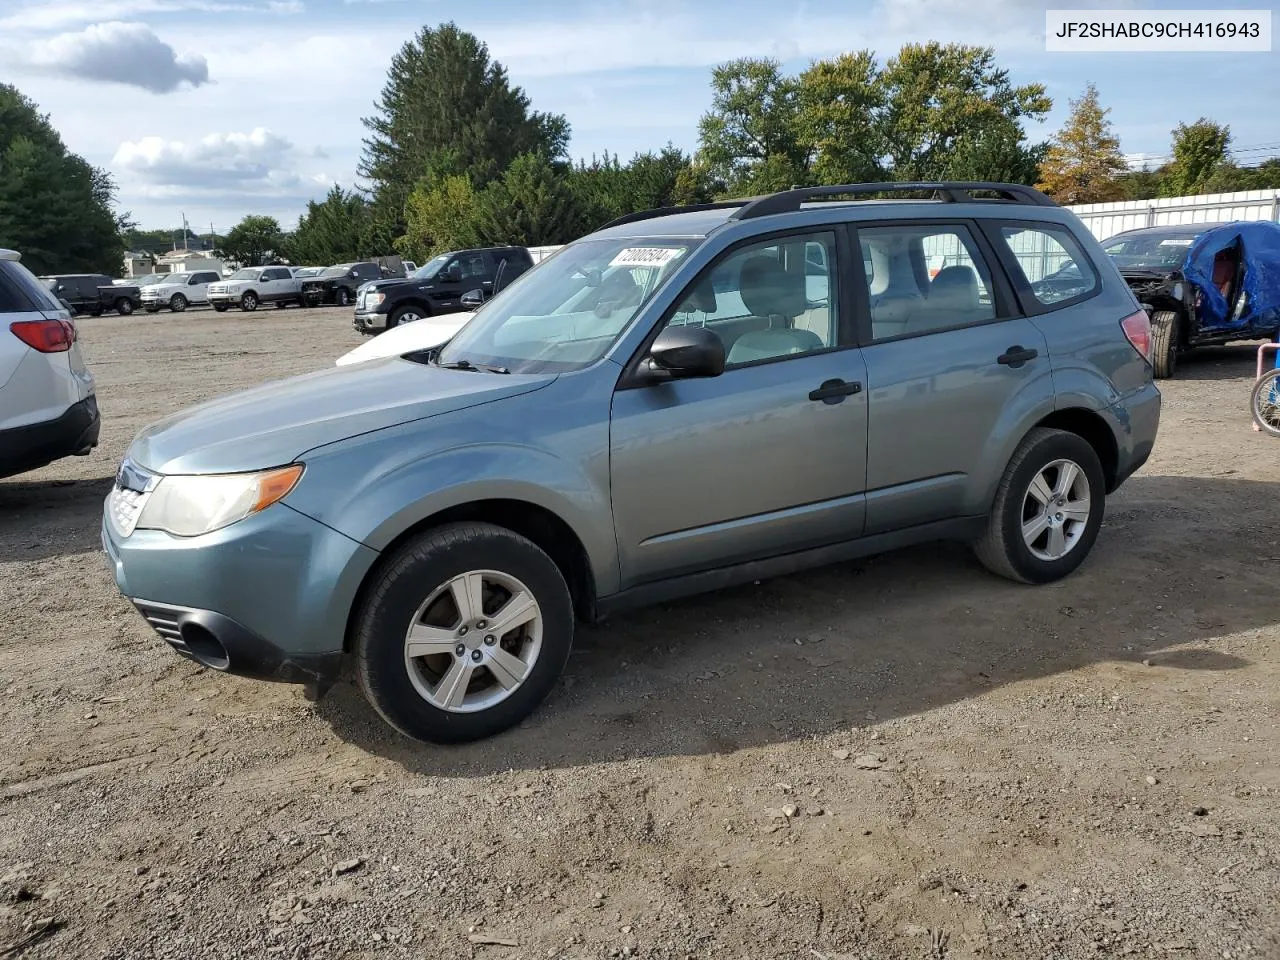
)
(645, 257)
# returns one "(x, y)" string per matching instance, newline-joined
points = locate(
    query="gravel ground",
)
(902, 757)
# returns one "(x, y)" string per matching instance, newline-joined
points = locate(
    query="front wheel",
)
(220, 307)
(463, 633)
(1165, 331)
(124, 306)
(177, 303)
(405, 315)
(281, 304)
(1265, 402)
(249, 302)
(342, 297)
(1047, 509)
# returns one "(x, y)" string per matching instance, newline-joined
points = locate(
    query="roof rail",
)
(947, 190)
(667, 211)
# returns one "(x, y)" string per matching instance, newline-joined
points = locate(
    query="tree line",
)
(455, 155)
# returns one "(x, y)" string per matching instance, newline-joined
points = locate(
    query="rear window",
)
(21, 292)
(1054, 267)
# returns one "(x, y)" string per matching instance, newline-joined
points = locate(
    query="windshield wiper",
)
(465, 364)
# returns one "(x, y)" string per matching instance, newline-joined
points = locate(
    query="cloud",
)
(116, 52)
(258, 160)
(55, 14)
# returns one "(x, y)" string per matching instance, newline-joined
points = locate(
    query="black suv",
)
(454, 281)
(93, 293)
(338, 284)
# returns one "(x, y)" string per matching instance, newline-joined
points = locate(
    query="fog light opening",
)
(204, 646)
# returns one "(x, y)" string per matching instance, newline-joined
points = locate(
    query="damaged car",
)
(1202, 283)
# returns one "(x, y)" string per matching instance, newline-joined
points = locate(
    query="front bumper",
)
(369, 321)
(267, 597)
(224, 297)
(39, 444)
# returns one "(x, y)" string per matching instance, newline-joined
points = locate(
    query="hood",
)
(388, 282)
(277, 422)
(407, 338)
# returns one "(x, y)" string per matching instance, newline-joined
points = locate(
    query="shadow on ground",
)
(40, 519)
(890, 636)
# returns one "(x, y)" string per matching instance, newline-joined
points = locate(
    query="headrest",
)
(957, 285)
(701, 299)
(768, 290)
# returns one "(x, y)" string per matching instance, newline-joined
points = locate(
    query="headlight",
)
(373, 299)
(187, 506)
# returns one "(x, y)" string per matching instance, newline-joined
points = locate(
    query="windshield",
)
(566, 312)
(248, 273)
(1164, 251)
(338, 271)
(150, 278)
(308, 271)
(429, 269)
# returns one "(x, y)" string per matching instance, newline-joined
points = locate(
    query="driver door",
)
(770, 456)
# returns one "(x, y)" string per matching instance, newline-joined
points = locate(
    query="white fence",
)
(1107, 219)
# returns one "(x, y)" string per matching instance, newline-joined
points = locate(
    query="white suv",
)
(179, 290)
(47, 405)
(251, 286)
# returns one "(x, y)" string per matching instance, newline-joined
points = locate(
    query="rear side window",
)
(924, 278)
(1053, 267)
(20, 291)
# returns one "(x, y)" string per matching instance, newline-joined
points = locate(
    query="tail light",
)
(1137, 328)
(47, 336)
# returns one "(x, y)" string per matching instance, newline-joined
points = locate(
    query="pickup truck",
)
(93, 293)
(178, 290)
(250, 287)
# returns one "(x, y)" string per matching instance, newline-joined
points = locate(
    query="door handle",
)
(1017, 355)
(834, 391)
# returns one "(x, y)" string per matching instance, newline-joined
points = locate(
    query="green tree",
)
(253, 242)
(750, 138)
(1229, 178)
(1199, 149)
(447, 109)
(839, 105)
(1083, 163)
(1144, 184)
(333, 230)
(943, 98)
(532, 205)
(607, 189)
(55, 208)
(440, 216)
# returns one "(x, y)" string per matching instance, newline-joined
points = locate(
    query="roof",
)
(12, 255)
(1170, 229)
(698, 223)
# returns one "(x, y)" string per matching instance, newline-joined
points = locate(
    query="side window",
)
(924, 278)
(20, 291)
(768, 300)
(473, 265)
(1051, 262)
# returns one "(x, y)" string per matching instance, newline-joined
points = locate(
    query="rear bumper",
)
(39, 444)
(1136, 422)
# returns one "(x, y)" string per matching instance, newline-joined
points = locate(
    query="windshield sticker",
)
(1176, 243)
(645, 257)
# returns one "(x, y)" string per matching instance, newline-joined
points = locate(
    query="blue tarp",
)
(1260, 243)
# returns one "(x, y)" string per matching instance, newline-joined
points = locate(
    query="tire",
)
(342, 297)
(1166, 327)
(1004, 550)
(177, 303)
(401, 594)
(153, 309)
(1264, 402)
(124, 306)
(95, 311)
(406, 314)
(281, 304)
(249, 301)
(220, 307)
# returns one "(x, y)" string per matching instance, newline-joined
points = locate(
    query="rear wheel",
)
(1047, 509)
(249, 301)
(463, 634)
(177, 303)
(1265, 402)
(1166, 328)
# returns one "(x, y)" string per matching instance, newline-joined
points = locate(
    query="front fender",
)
(375, 487)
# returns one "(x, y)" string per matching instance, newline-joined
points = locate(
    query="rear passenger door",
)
(953, 370)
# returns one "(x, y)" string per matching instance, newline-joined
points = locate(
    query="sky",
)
(221, 108)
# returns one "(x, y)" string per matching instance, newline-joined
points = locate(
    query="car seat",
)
(777, 297)
(953, 300)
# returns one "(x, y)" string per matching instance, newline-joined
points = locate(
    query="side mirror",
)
(684, 352)
(473, 298)
(453, 272)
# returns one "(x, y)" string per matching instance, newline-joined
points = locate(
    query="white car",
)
(48, 408)
(178, 290)
(407, 338)
(250, 287)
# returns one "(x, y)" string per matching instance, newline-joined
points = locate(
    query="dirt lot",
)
(898, 758)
